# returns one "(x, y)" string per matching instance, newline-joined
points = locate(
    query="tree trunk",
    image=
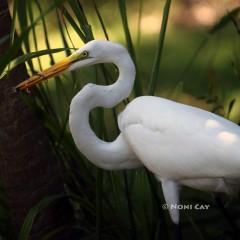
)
(28, 168)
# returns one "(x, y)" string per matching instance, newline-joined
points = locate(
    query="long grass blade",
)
(225, 20)
(23, 22)
(157, 61)
(123, 13)
(157, 202)
(45, 31)
(10, 55)
(29, 220)
(140, 11)
(32, 55)
(35, 42)
(216, 28)
(133, 231)
(82, 19)
(100, 20)
(99, 193)
(74, 25)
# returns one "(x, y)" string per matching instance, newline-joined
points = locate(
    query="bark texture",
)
(28, 169)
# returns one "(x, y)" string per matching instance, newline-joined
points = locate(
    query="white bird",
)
(179, 144)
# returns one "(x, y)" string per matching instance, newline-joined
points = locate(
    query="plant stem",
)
(99, 203)
(158, 56)
(130, 208)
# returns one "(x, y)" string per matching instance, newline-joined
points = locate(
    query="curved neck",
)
(122, 88)
(106, 155)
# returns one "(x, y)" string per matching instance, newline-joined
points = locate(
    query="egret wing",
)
(180, 142)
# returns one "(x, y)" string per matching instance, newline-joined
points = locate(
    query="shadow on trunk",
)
(28, 168)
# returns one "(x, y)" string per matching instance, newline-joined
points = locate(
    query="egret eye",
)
(84, 54)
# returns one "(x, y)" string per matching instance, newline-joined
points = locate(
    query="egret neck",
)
(107, 155)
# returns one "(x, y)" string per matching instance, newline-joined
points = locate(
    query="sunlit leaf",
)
(158, 55)
(32, 55)
(225, 20)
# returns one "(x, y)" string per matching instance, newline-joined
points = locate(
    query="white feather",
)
(181, 142)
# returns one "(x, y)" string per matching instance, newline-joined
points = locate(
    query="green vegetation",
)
(198, 62)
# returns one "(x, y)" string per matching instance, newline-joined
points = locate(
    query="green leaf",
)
(158, 56)
(140, 13)
(74, 25)
(230, 107)
(51, 234)
(177, 90)
(100, 20)
(82, 19)
(225, 20)
(12, 52)
(123, 13)
(29, 220)
(32, 55)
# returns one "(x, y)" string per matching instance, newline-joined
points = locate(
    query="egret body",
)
(179, 144)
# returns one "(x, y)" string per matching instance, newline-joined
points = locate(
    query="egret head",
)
(96, 51)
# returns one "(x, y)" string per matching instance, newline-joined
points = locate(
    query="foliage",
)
(108, 205)
(28, 223)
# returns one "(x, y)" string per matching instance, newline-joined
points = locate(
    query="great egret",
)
(179, 144)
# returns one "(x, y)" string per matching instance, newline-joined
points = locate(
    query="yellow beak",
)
(48, 73)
